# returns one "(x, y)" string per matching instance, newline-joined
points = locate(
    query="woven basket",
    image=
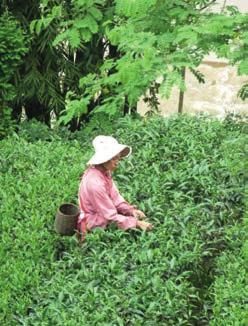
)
(66, 219)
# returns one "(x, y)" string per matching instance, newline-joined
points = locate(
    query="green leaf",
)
(60, 38)
(32, 25)
(85, 34)
(243, 92)
(88, 22)
(187, 35)
(243, 67)
(38, 26)
(96, 13)
(199, 76)
(74, 38)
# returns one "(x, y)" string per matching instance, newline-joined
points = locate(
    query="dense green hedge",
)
(189, 176)
(230, 286)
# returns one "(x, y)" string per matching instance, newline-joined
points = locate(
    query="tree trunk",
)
(127, 109)
(16, 112)
(35, 110)
(223, 6)
(181, 95)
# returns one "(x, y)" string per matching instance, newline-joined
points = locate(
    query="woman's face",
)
(112, 164)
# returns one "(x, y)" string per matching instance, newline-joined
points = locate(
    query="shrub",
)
(230, 286)
(186, 173)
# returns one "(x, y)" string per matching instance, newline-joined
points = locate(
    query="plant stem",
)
(223, 7)
(181, 95)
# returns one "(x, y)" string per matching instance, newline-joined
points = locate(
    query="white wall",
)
(219, 94)
(241, 4)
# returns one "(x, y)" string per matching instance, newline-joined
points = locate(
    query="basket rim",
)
(71, 204)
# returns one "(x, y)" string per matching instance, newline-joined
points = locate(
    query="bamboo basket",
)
(66, 219)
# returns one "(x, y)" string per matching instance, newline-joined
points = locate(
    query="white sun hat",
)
(107, 147)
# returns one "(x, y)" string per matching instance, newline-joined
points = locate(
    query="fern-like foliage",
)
(84, 23)
(243, 67)
(74, 108)
(121, 48)
(134, 8)
(243, 92)
(157, 39)
(173, 78)
(198, 75)
(12, 49)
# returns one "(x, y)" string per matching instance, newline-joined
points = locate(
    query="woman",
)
(99, 199)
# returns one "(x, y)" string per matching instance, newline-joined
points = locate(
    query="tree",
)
(102, 55)
(37, 79)
(12, 49)
(80, 31)
(157, 41)
(65, 43)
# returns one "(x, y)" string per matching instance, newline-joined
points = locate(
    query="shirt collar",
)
(103, 171)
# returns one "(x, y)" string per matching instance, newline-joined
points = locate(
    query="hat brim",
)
(126, 151)
(100, 158)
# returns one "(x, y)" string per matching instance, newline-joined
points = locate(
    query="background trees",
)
(158, 40)
(39, 76)
(12, 48)
(102, 55)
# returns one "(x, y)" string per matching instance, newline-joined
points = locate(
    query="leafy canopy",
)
(156, 40)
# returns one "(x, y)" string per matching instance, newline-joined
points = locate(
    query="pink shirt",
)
(101, 203)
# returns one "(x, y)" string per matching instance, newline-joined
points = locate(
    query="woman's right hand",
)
(145, 226)
(138, 213)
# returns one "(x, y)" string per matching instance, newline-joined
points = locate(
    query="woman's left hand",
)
(138, 214)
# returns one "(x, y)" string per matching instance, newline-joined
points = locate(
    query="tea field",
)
(188, 174)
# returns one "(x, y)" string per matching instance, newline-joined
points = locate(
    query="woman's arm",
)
(105, 207)
(122, 206)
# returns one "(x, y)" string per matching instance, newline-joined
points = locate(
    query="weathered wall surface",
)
(241, 4)
(218, 95)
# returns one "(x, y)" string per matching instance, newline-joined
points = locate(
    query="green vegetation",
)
(188, 174)
(80, 66)
(12, 50)
(84, 56)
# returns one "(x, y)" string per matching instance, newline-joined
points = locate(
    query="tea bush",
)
(230, 286)
(188, 174)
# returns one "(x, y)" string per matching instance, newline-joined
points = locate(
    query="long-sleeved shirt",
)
(101, 202)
